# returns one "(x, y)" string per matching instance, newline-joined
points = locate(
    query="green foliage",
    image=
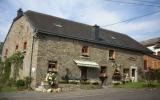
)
(7, 70)
(138, 85)
(23, 83)
(11, 82)
(85, 82)
(1, 45)
(157, 75)
(27, 82)
(151, 76)
(16, 61)
(1, 68)
(20, 84)
(8, 89)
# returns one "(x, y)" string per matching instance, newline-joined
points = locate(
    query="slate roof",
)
(52, 25)
(151, 42)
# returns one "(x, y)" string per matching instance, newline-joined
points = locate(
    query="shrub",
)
(20, 84)
(85, 82)
(95, 83)
(157, 75)
(27, 81)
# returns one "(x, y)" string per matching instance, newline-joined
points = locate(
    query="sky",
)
(100, 12)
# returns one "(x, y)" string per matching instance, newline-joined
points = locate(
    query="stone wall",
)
(21, 31)
(52, 48)
(63, 50)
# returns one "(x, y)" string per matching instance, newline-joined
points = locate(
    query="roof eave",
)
(93, 41)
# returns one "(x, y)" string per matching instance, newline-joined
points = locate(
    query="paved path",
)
(99, 94)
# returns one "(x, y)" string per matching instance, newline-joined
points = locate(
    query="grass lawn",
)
(138, 85)
(8, 89)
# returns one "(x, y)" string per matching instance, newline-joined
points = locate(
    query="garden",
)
(151, 79)
(7, 83)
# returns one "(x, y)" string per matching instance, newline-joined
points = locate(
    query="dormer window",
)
(85, 51)
(111, 54)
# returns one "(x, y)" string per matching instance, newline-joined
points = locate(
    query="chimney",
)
(19, 13)
(96, 32)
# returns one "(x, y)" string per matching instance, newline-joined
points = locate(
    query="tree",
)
(149, 76)
(1, 45)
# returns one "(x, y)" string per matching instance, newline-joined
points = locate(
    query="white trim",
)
(134, 79)
(85, 63)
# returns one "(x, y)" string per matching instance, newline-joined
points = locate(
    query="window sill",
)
(112, 59)
(85, 54)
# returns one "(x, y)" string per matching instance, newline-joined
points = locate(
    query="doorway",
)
(133, 74)
(84, 73)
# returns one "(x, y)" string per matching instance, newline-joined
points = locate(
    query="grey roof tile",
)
(57, 26)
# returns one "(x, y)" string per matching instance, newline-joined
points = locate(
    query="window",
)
(145, 64)
(126, 71)
(85, 51)
(126, 74)
(103, 69)
(16, 48)
(52, 66)
(111, 54)
(24, 45)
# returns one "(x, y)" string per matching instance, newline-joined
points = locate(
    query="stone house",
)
(51, 43)
(153, 60)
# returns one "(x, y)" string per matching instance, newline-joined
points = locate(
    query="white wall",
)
(154, 50)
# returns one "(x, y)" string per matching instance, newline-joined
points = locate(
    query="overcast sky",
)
(100, 12)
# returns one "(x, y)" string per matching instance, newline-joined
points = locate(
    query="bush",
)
(20, 84)
(85, 82)
(27, 82)
(157, 75)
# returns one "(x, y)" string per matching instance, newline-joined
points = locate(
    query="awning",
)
(84, 63)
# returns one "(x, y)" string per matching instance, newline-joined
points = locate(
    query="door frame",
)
(84, 73)
(136, 74)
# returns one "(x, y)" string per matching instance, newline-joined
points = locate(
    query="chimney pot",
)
(96, 32)
(19, 12)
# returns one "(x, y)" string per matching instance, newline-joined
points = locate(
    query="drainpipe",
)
(30, 73)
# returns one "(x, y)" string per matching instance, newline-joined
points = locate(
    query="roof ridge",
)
(74, 21)
(58, 17)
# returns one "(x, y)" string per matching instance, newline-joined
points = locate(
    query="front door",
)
(133, 74)
(84, 73)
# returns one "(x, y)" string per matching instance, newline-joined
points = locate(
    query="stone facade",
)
(44, 48)
(64, 51)
(21, 31)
